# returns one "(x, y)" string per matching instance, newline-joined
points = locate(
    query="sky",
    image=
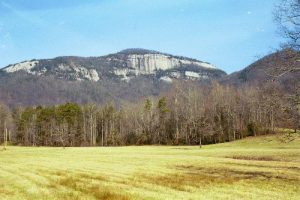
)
(230, 34)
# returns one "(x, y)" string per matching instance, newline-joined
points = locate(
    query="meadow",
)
(253, 168)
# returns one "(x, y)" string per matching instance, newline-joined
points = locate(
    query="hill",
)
(277, 67)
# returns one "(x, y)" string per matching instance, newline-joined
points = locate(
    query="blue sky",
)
(227, 33)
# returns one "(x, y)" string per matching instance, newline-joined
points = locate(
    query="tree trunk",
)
(5, 136)
(200, 141)
(233, 135)
(102, 132)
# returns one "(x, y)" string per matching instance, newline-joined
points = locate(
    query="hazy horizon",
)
(229, 34)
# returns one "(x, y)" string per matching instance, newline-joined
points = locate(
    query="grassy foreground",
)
(254, 168)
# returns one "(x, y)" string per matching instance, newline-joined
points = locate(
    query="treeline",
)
(186, 115)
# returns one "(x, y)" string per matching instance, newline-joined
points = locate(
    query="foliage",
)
(187, 115)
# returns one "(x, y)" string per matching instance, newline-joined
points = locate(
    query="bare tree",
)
(5, 124)
(287, 16)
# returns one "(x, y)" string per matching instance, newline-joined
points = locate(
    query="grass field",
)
(254, 168)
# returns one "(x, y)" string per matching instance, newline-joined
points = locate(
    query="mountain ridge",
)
(273, 68)
(125, 63)
(127, 75)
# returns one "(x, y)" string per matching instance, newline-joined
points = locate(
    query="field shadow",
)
(84, 183)
(257, 158)
(189, 177)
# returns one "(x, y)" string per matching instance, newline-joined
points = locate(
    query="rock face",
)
(127, 75)
(150, 63)
(62, 70)
(134, 62)
(124, 65)
(26, 66)
(79, 73)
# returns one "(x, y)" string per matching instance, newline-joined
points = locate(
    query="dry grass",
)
(254, 168)
(259, 158)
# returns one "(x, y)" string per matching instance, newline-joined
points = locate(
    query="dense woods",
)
(186, 115)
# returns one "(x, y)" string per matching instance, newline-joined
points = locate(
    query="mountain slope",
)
(276, 67)
(129, 74)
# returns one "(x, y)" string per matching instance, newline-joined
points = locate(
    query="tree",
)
(162, 112)
(70, 121)
(45, 123)
(147, 119)
(287, 16)
(90, 124)
(108, 126)
(26, 127)
(5, 124)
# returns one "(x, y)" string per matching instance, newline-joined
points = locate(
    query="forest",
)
(188, 114)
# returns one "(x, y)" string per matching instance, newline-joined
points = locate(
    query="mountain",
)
(128, 74)
(277, 67)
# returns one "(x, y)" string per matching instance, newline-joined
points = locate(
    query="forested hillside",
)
(281, 67)
(187, 114)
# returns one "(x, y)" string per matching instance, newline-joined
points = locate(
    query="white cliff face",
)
(195, 75)
(124, 73)
(175, 75)
(24, 66)
(166, 79)
(80, 73)
(91, 75)
(192, 74)
(94, 75)
(149, 63)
